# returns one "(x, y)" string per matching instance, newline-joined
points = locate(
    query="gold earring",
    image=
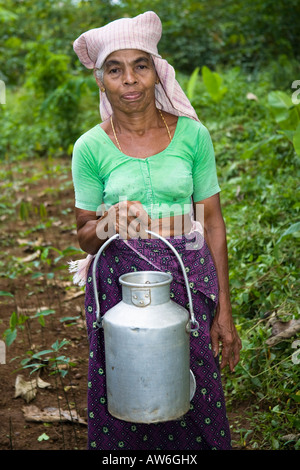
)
(103, 90)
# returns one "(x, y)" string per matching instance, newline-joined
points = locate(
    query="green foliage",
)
(45, 71)
(245, 33)
(37, 57)
(214, 84)
(258, 168)
(18, 322)
(53, 360)
(195, 33)
(293, 229)
(287, 115)
(191, 85)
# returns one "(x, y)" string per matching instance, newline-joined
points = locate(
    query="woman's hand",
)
(127, 218)
(223, 331)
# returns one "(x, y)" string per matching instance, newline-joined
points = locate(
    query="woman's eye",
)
(113, 71)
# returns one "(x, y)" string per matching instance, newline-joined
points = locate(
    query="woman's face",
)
(129, 80)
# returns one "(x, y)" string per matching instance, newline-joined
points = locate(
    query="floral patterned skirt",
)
(205, 425)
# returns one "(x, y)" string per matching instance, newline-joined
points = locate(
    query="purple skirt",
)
(205, 426)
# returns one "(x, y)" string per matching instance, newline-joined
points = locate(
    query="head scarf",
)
(143, 33)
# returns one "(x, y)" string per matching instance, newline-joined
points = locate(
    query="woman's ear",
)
(99, 81)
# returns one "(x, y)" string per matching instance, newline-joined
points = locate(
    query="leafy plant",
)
(19, 321)
(57, 364)
(291, 230)
(287, 115)
(191, 85)
(214, 84)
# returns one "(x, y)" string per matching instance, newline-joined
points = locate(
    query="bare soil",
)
(37, 223)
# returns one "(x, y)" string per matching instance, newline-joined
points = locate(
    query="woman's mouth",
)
(131, 96)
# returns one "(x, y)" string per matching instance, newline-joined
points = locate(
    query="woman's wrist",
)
(224, 304)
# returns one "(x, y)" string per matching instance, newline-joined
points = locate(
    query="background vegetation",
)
(238, 62)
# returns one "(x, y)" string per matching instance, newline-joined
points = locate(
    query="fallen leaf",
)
(59, 283)
(43, 437)
(50, 415)
(70, 295)
(251, 96)
(32, 257)
(280, 326)
(67, 388)
(33, 310)
(290, 437)
(42, 384)
(282, 331)
(28, 389)
(2, 352)
(26, 311)
(28, 241)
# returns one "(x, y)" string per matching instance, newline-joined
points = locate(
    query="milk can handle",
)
(98, 315)
(194, 322)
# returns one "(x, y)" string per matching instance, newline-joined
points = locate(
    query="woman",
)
(145, 167)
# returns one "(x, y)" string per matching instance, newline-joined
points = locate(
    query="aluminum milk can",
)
(147, 349)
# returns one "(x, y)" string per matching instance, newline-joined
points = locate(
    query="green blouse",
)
(165, 183)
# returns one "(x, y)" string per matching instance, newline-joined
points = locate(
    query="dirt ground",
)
(37, 225)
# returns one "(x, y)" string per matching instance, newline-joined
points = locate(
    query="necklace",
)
(115, 135)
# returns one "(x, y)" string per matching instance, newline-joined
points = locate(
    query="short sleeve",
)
(87, 183)
(205, 178)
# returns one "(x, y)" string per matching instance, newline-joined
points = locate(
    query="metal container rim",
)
(167, 281)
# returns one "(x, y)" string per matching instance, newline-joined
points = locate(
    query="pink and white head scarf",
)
(143, 33)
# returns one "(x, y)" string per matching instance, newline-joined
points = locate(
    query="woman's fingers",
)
(131, 219)
(225, 340)
(231, 352)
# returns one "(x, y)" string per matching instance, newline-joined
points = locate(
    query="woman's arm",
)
(87, 222)
(223, 329)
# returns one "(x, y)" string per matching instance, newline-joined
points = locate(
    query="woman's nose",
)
(129, 77)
